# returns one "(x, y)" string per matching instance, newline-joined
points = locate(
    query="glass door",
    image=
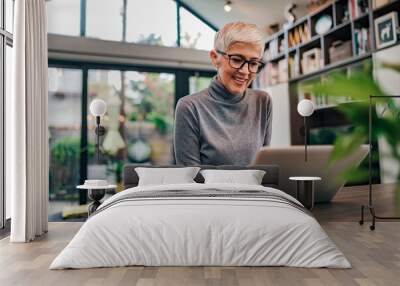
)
(138, 121)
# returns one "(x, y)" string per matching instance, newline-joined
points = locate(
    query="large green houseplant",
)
(359, 86)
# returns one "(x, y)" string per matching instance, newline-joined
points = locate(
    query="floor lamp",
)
(305, 108)
(370, 205)
(98, 108)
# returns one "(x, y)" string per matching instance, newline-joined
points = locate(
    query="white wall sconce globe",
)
(305, 107)
(98, 107)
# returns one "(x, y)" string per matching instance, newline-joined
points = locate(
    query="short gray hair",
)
(238, 32)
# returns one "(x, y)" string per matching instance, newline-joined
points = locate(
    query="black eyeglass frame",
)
(262, 64)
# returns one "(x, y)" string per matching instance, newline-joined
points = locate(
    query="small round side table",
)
(305, 190)
(95, 193)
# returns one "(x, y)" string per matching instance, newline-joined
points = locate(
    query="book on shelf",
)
(283, 70)
(361, 41)
(271, 74)
(298, 35)
(294, 65)
(357, 8)
(320, 101)
(261, 80)
(272, 49)
(281, 46)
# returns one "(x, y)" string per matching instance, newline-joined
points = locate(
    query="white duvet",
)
(200, 231)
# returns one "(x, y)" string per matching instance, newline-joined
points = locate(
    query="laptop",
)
(291, 162)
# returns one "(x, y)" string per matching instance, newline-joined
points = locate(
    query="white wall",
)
(281, 115)
(389, 81)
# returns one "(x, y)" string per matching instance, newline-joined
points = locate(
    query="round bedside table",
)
(305, 190)
(95, 193)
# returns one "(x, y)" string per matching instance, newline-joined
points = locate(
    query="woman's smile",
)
(240, 81)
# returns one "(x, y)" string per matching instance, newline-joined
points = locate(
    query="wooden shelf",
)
(338, 27)
(355, 29)
(329, 67)
(277, 57)
(392, 45)
(385, 8)
(344, 29)
(366, 15)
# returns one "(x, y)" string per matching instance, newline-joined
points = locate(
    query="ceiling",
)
(260, 12)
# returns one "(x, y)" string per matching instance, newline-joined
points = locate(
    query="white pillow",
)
(165, 176)
(248, 177)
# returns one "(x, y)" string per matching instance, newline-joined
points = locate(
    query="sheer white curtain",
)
(27, 150)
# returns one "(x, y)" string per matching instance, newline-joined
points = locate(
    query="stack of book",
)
(361, 41)
(272, 49)
(272, 74)
(283, 71)
(298, 35)
(281, 45)
(294, 65)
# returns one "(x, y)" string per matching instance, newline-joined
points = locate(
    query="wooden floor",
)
(346, 204)
(374, 255)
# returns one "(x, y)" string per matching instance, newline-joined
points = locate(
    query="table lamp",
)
(98, 107)
(305, 108)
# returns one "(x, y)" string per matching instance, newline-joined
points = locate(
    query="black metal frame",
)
(179, 4)
(181, 89)
(82, 25)
(370, 205)
(181, 78)
(196, 14)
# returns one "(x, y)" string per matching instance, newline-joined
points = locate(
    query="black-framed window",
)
(64, 116)
(6, 42)
(132, 21)
(140, 112)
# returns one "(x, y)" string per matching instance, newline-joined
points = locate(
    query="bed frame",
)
(270, 179)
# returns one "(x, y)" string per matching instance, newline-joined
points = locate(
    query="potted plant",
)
(359, 86)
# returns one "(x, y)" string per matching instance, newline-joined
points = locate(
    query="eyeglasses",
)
(238, 61)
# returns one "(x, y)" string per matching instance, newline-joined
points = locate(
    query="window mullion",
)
(83, 18)
(178, 23)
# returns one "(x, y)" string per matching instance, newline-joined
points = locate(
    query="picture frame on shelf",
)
(386, 30)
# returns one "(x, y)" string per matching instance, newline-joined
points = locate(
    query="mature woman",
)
(226, 123)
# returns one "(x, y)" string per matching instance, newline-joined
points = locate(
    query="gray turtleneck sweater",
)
(215, 127)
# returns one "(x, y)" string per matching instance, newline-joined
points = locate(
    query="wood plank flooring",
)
(346, 204)
(374, 255)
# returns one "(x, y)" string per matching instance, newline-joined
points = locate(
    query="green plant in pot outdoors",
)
(359, 85)
(65, 154)
(160, 121)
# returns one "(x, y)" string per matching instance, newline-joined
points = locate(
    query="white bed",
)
(183, 230)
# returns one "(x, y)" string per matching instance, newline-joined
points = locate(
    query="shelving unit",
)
(356, 27)
(350, 38)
